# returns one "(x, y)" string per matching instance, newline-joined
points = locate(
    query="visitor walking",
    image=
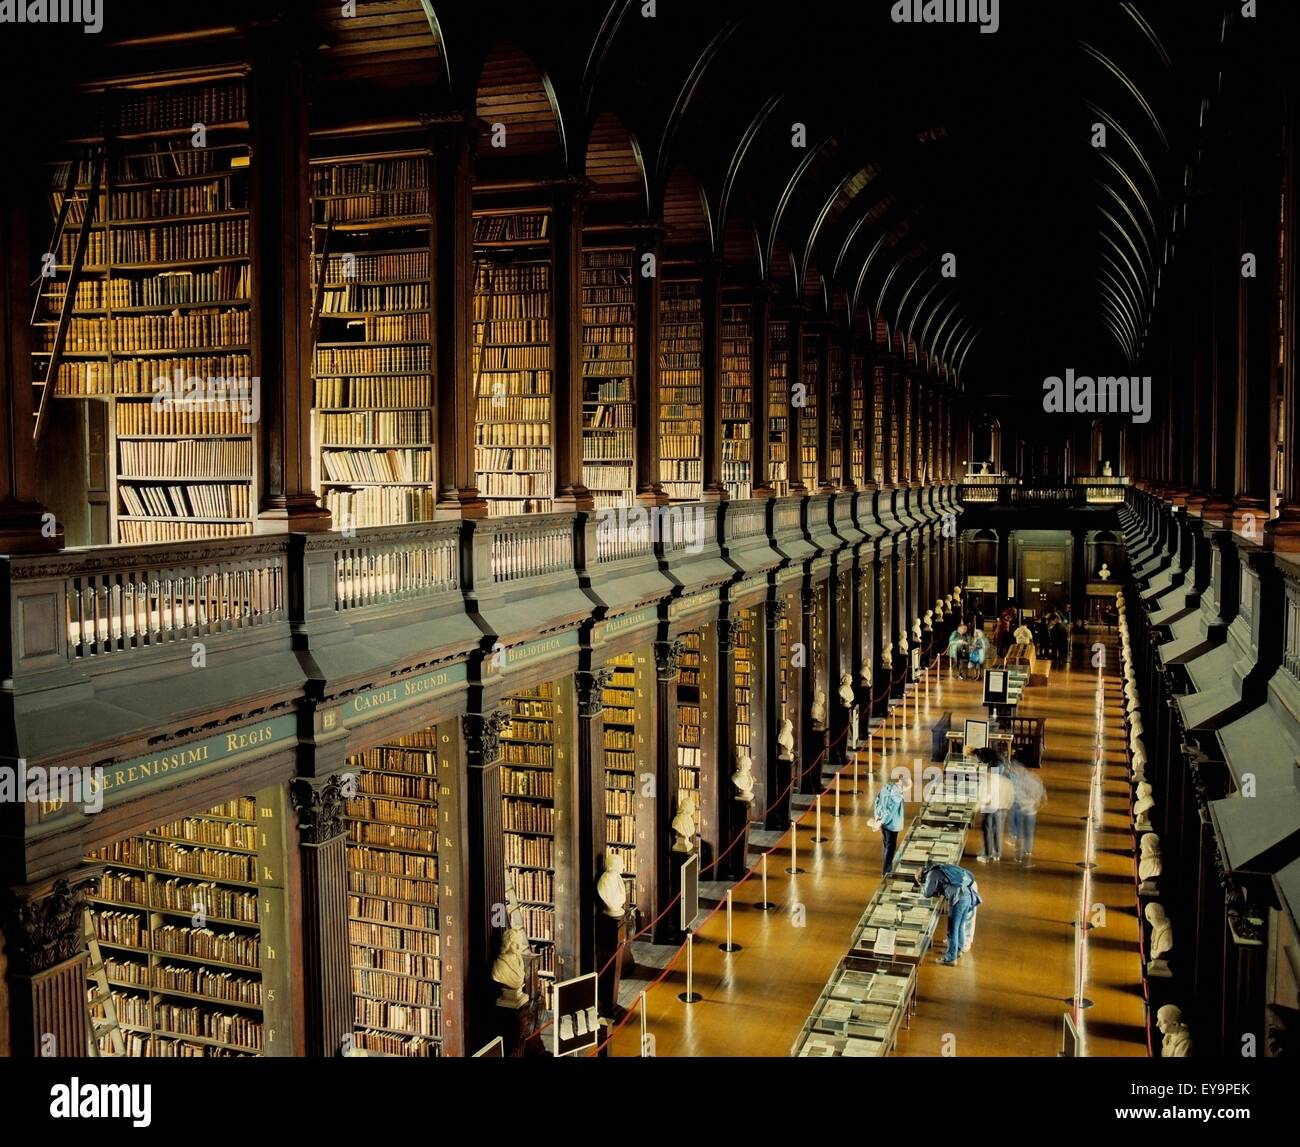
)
(889, 816)
(998, 796)
(1030, 796)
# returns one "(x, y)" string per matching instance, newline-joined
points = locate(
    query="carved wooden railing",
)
(789, 516)
(531, 546)
(688, 528)
(743, 520)
(116, 600)
(396, 563)
(626, 532)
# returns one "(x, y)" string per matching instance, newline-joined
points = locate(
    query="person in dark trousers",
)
(889, 815)
(998, 797)
(1060, 641)
(957, 886)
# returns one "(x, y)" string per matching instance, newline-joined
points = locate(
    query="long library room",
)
(616, 531)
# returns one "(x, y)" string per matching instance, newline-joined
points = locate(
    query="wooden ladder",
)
(102, 995)
(96, 162)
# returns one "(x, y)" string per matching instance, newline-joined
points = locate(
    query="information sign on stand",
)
(916, 663)
(494, 1050)
(996, 687)
(577, 1020)
(975, 735)
(1069, 1038)
(690, 891)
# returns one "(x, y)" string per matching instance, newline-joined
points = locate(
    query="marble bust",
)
(929, 619)
(1104, 572)
(610, 886)
(785, 739)
(1145, 801)
(902, 642)
(1177, 1043)
(956, 593)
(1139, 766)
(865, 674)
(887, 656)
(818, 711)
(508, 968)
(743, 778)
(684, 823)
(1162, 939)
(1105, 470)
(916, 630)
(1150, 864)
(847, 699)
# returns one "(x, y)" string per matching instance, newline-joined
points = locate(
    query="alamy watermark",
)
(87, 12)
(214, 394)
(1105, 394)
(635, 527)
(54, 787)
(982, 12)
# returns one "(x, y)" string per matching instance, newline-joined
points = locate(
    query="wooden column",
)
(646, 388)
(890, 421)
(484, 873)
(711, 378)
(777, 800)
(664, 860)
(326, 952)
(794, 375)
(1284, 530)
(716, 795)
(452, 256)
(811, 741)
(589, 762)
(761, 389)
(280, 191)
(45, 952)
(566, 325)
(25, 524)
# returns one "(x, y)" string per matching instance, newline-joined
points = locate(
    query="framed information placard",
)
(995, 687)
(916, 663)
(690, 891)
(975, 735)
(576, 1022)
(494, 1050)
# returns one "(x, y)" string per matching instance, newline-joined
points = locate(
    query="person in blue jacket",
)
(957, 886)
(889, 813)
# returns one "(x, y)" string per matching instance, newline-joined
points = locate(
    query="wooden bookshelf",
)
(528, 808)
(188, 926)
(161, 299)
(834, 466)
(621, 771)
(608, 397)
(737, 398)
(373, 409)
(681, 389)
(394, 928)
(513, 360)
(878, 429)
(810, 372)
(779, 407)
(689, 717)
(858, 440)
(743, 670)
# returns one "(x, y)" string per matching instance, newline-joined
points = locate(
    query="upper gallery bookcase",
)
(373, 371)
(145, 303)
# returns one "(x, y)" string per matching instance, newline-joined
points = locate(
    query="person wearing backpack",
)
(957, 886)
(889, 816)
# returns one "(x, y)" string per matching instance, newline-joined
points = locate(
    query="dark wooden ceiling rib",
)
(738, 245)
(684, 217)
(612, 164)
(511, 92)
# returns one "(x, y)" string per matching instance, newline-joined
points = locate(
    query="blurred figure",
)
(1030, 796)
(999, 795)
(889, 815)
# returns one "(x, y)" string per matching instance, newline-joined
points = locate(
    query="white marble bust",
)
(684, 823)
(785, 739)
(1162, 933)
(1177, 1042)
(1105, 470)
(902, 642)
(847, 699)
(1134, 740)
(929, 619)
(916, 630)
(865, 674)
(1139, 766)
(887, 656)
(818, 711)
(508, 968)
(1150, 864)
(956, 593)
(610, 886)
(743, 778)
(1104, 572)
(1145, 801)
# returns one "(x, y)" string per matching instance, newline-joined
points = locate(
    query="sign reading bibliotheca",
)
(255, 739)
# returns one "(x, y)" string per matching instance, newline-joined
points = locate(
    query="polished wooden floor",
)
(1007, 997)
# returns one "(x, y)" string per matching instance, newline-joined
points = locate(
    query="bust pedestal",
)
(1159, 970)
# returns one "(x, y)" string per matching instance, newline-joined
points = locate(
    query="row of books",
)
(371, 360)
(181, 107)
(153, 243)
(358, 208)
(146, 419)
(517, 410)
(354, 297)
(380, 506)
(511, 227)
(409, 464)
(397, 392)
(205, 458)
(538, 922)
(126, 333)
(383, 860)
(378, 267)
(510, 358)
(517, 458)
(356, 177)
(223, 284)
(210, 500)
(132, 533)
(392, 810)
(397, 989)
(141, 204)
(151, 376)
(201, 830)
(394, 887)
(420, 965)
(609, 476)
(377, 427)
(381, 910)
